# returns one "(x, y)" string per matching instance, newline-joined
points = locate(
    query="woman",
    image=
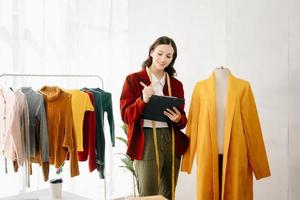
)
(150, 142)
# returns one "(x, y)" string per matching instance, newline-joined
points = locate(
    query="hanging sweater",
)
(10, 136)
(24, 130)
(103, 103)
(89, 137)
(60, 128)
(107, 107)
(80, 104)
(39, 144)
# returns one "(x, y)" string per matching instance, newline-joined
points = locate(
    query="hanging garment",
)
(103, 103)
(106, 102)
(24, 130)
(60, 128)
(37, 114)
(11, 141)
(244, 151)
(80, 104)
(89, 136)
(38, 130)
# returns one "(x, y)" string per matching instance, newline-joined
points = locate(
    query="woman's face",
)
(162, 56)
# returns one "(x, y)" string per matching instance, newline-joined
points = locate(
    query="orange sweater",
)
(60, 128)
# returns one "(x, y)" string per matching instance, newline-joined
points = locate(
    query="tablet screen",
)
(156, 106)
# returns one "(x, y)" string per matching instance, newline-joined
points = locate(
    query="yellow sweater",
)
(80, 103)
(60, 128)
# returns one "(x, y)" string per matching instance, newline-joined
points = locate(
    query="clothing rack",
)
(56, 75)
(65, 76)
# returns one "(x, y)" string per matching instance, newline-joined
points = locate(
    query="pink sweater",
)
(10, 136)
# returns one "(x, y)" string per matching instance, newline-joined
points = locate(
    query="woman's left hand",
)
(173, 114)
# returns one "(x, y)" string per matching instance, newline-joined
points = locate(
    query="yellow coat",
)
(244, 151)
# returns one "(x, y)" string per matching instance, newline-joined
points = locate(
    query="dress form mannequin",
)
(221, 75)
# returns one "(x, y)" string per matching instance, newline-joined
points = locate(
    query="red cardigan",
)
(89, 136)
(132, 105)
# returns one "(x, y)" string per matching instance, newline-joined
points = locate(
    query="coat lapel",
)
(230, 105)
(213, 130)
(212, 113)
(143, 75)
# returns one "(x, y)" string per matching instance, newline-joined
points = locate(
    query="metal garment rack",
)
(57, 75)
(64, 76)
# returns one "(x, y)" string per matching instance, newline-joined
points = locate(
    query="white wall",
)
(259, 41)
(294, 100)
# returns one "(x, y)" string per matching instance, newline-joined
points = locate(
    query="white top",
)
(158, 86)
(221, 75)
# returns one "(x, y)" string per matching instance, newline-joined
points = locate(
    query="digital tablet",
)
(156, 106)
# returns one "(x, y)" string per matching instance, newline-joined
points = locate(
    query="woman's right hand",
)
(147, 92)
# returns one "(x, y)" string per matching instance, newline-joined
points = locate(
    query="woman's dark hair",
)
(159, 41)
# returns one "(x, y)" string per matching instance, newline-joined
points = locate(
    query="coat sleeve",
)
(252, 130)
(131, 104)
(183, 121)
(192, 132)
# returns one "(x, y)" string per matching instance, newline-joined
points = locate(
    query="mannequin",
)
(221, 75)
(232, 130)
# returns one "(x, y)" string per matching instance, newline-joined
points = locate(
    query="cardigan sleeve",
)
(192, 132)
(70, 141)
(131, 104)
(44, 142)
(252, 130)
(13, 144)
(110, 117)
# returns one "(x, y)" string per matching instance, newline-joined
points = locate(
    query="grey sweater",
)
(37, 124)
